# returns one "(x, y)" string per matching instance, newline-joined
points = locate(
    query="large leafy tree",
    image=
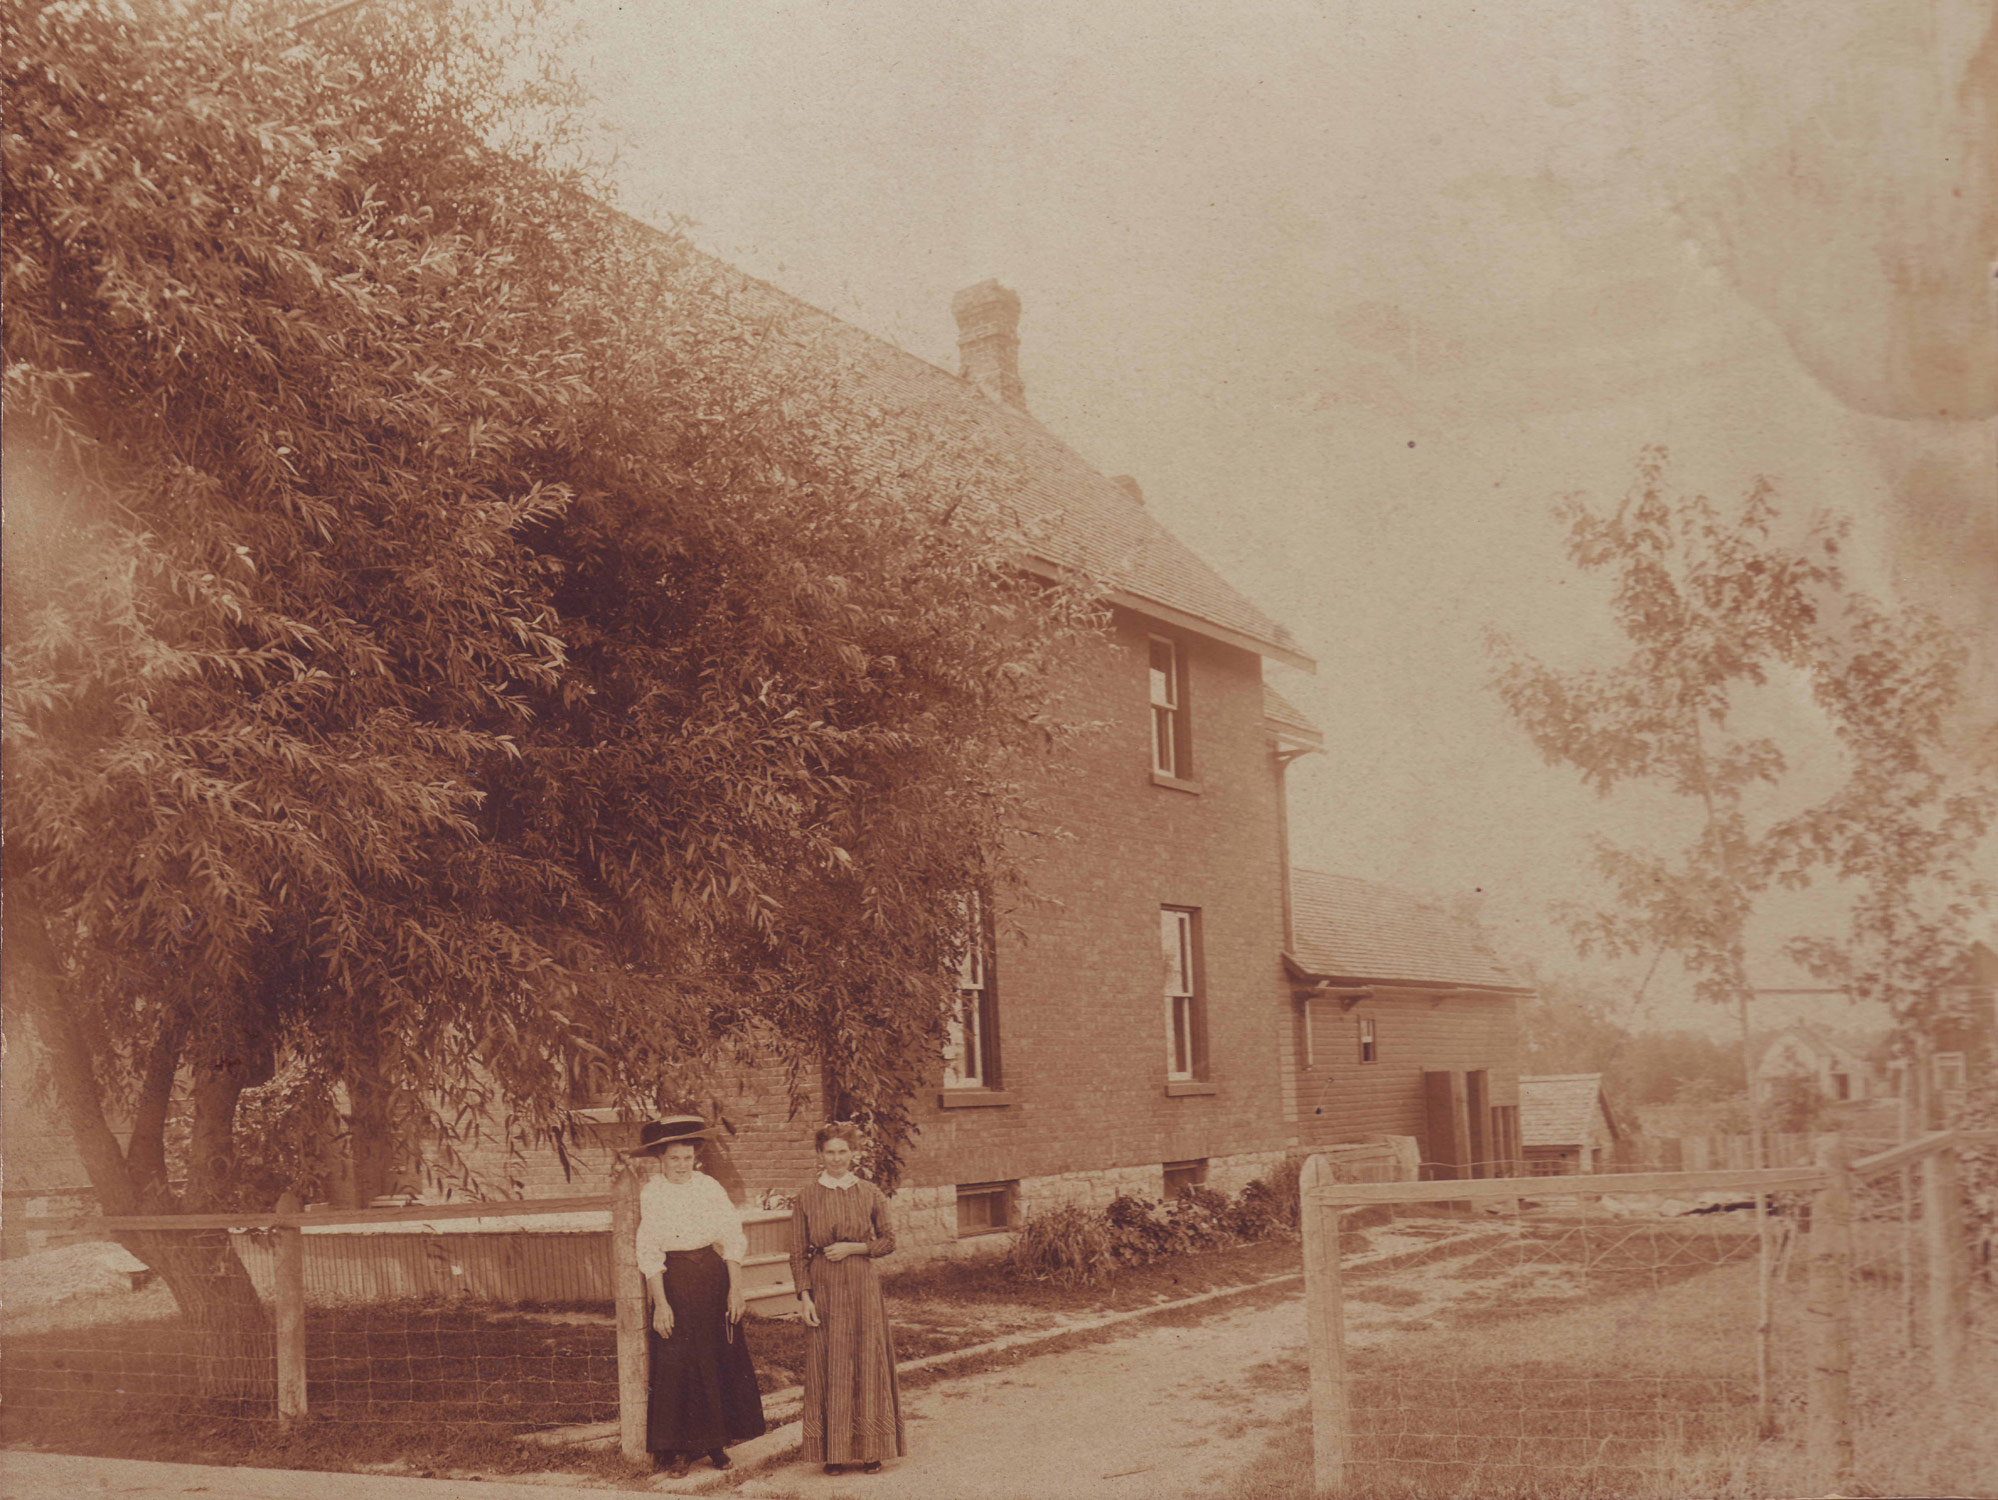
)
(451, 628)
(1712, 606)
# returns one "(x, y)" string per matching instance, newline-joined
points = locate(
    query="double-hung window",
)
(1169, 747)
(1179, 943)
(970, 1050)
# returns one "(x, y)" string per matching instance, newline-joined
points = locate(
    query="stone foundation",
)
(926, 1217)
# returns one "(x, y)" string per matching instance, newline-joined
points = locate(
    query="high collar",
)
(837, 1184)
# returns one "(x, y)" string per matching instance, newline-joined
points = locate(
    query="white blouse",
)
(686, 1216)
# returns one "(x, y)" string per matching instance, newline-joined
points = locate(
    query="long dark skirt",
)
(704, 1392)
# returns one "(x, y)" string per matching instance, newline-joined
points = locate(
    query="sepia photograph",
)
(829, 749)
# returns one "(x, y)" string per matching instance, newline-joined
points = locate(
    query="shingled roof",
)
(1554, 1108)
(1355, 930)
(1289, 719)
(1061, 510)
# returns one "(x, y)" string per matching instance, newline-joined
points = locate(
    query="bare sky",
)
(1355, 289)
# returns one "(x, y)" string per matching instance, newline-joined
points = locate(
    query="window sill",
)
(1182, 1088)
(972, 1098)
(1159, 778)
(979, 1234)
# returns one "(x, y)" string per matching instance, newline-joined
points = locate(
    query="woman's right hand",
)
(811, 1312)
(662, 1318)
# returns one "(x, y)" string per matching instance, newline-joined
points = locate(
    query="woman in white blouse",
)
(690, 1248)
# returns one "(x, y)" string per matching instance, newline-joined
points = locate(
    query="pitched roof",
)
(1344, 928)
(1554, 1108)
(1289, 719)
(1062, 511)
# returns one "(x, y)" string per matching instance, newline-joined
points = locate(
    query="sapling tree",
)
(1709, 605)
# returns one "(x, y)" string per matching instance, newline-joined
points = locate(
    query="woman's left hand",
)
(735, 1304)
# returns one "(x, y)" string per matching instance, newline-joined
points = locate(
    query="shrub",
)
(1074, 1245)
(1069, 1246)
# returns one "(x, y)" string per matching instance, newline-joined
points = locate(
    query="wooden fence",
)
(549, 1250)
(1831, 1180)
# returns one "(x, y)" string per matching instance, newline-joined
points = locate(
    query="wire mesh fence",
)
(1661, 1333)
(494, 1318)
(502, 1321)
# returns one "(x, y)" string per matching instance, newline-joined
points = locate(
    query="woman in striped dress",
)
(839, 1228)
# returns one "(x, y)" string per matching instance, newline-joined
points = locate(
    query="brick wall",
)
(1081, 1009)
(1082, 1020)
(1344, 1099)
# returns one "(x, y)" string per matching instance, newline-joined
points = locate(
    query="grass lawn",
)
(450, 1386)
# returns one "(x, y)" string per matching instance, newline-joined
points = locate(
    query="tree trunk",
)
(228, 1329)
(229, 1335)
(376, 1135)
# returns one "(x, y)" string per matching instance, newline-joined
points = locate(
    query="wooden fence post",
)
(288, 1274)
(1828, 1318)
(1325, 1317)
(1949, 1268)
(634, 1367)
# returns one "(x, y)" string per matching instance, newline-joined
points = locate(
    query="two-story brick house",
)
(1131, 1021)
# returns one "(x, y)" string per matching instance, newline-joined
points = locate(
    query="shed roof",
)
(1343, 928)
(1554, 1108)
(1032, 485)
(1289, 719)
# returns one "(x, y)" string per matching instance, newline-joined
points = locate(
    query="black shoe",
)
(872, 1466)
(835, 1468)
(720, 1459)
(677, 1464)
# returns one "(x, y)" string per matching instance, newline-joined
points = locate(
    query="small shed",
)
(1566, 1124)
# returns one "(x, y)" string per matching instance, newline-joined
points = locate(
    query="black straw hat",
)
(654, 1136)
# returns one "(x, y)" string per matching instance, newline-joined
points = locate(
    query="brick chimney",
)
(988, 341)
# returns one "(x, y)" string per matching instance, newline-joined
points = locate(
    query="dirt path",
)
(1176, 1410)
(1162, 1411)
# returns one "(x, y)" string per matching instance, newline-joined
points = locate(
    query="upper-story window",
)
(1179, 941)
(971, 1058)
(1171, 751)
(1369, 1048)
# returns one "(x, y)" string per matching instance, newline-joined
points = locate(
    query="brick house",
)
(1136, 1033)
(1404, 1026)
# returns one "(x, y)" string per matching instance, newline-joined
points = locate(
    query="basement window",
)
(984, 1207)
(1184, 1174)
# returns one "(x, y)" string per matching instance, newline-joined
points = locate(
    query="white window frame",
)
(1166, 706)
(1178, 961)
(1370, 1045)
(968, 1048)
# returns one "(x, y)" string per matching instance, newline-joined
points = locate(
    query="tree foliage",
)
(1713, 606)
(1570, 1026)
(450, 628)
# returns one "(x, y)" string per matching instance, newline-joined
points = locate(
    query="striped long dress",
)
(853, 1408)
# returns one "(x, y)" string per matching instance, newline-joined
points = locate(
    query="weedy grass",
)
(1644, 1393)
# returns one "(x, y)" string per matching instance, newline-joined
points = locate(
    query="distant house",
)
(1405, 1025)
(1842, 1071)
(1965, 1044)
(1566, 1124)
